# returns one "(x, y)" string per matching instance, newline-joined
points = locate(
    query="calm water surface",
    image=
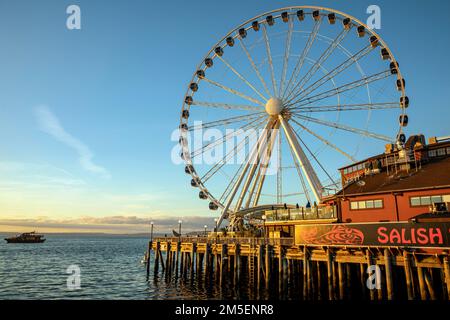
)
(110, 269)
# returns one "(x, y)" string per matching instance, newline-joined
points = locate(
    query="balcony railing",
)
(313, 213)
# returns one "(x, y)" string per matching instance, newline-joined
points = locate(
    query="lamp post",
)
(179, 228)
(264, 227)
(151, 231)
(205, 229)
(217, 234)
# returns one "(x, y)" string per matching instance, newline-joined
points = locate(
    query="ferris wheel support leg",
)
(242, 175)
(307, 169)
(264, 166)
(262, 147)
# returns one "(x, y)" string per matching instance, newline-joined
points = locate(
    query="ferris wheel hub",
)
(274, 106)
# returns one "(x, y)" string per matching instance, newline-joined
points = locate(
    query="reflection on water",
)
(110, 269)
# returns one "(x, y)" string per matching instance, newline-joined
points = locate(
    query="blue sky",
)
(86, 115)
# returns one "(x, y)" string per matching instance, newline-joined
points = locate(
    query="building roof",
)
(434, 174)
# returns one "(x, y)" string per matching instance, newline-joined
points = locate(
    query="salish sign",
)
(376, 234)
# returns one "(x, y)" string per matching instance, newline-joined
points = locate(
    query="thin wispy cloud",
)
(50, 124)
(107, 224)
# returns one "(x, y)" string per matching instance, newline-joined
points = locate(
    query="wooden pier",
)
(313, 272)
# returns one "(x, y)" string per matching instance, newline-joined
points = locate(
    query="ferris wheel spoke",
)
(217, 166)
(255, 68)
(230, 185)
(242, 78)
(346, 128)
(315, 67)
(306, 166)
(287, 51)
(347, 107)
(252, 124)
(279, 172)
(301, 60)
(233, 91)
(325, 141)
(336, 71)
(346, 87)
(269, 57)
(222, 122)
(314, 157)
(226, 106)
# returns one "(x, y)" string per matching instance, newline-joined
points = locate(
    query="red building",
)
(398, 184)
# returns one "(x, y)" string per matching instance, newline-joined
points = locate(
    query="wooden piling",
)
(177, 257)
(429, 284)
(330, 275)
(157, 255)
(348, 286)
(341, 281)
(280, 270)
(369, 263)
(267, 265)
(168, 257)
(259, 266)
(408, 275)
(305, 274)
(319, 281)
(447, 275)
(149, 250)
(423, 290)
(362, 279)
(163, 267)
(237, 254)
(389, 281)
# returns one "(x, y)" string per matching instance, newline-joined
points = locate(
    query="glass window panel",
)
(441, 152)
(425, 201)
(415, 201)
(369, 204)
(435, 199)
(432, 153)
(354, 205)
(378, 203)
(361, 204)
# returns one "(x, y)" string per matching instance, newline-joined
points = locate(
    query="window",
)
(345, 171)
(415, 201)
(425, 201)
(432, 153)
(378, 203)
(367, 204)
(435, 199)
(441, 152)
(448, 150)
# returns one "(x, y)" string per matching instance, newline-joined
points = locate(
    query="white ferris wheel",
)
(320, 89)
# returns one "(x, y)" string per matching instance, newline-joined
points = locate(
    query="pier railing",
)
(229, 240)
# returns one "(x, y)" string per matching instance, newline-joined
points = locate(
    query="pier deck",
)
(318, 272)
